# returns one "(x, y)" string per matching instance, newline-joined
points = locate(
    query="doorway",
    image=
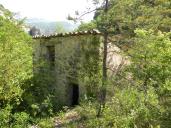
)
(75, 94)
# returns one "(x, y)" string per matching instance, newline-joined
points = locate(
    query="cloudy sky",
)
(54, 10)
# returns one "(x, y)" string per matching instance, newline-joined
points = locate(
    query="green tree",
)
(142, 90)
(60, 28)
(150, 69)
(16, 63)
(121, 18)
(125, 16)
(87, 26)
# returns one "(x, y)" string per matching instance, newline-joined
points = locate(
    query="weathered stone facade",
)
(60, 57)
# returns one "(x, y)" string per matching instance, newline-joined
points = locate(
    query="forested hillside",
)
(50, 27)
(136, 94)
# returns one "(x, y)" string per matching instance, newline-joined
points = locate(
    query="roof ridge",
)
(76, 33)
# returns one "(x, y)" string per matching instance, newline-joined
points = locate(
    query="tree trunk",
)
(102, 94)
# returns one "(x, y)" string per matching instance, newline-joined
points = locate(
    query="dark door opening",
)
(75, 95)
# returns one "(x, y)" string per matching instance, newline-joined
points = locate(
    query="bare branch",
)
(87, 12)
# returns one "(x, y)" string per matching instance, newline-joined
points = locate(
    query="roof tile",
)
(93, 31)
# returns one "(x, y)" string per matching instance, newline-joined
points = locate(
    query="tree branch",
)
(85, 13)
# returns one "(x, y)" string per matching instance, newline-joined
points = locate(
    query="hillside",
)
(49, 27)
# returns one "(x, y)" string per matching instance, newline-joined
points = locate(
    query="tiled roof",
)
(90, 32)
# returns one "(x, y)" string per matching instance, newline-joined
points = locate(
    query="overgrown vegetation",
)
(138, 99)
(137, 94)
(15, 70)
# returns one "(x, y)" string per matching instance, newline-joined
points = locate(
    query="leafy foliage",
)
(137, 101)
(125, 16)
(15, 66)
(90, 71)
(138, 96)
(87, 26)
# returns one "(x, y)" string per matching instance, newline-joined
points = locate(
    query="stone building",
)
(64, 59)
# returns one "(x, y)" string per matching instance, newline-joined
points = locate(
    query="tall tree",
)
(16, 63)
(102, 93)
(121, 18)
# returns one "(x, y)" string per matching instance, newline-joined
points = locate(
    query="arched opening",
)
(75, 95)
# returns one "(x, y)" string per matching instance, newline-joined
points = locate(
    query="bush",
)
(20, 120)
(46, 123)
(5, 116)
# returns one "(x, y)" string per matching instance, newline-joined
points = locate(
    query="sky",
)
(52, 10)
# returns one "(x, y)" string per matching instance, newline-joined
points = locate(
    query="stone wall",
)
(76, 61)
(67, 63)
